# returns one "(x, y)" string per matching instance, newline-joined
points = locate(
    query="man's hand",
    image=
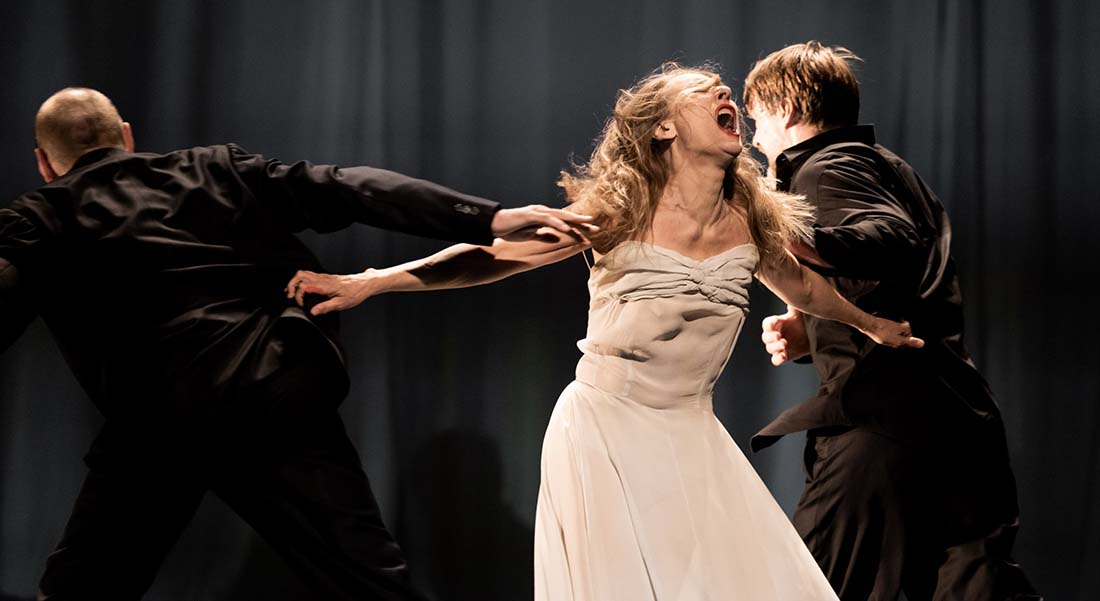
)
(784, 337)
(342, 291)
(524, 223)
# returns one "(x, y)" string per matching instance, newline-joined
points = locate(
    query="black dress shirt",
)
(162, 276)
(888, 240)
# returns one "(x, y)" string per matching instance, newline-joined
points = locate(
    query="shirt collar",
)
(94, 156)
(790, 160)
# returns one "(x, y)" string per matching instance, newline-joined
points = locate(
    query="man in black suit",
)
(908, 484)
(162, 279)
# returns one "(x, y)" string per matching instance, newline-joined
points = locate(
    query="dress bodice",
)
(661, 325)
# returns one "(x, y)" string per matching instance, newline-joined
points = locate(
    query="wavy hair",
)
(629, 169)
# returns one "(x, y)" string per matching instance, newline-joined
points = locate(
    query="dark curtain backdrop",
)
(994, 102)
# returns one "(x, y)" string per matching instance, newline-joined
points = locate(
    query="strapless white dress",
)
(644, 495)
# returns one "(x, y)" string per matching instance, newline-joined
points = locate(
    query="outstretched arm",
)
(535, 222)
(459, 266)
(810, 293)
(326, 198)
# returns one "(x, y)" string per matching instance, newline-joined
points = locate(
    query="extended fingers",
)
(556, 223)
(300, 292)
(564, 215)
(301, 284)
(563, 220)
(295, 282)
(574, 218)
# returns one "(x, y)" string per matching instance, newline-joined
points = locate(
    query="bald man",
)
(161, 277)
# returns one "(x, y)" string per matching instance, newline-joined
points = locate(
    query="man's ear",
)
(45, 169)
(666, 130)
(127, 136)
(790, 114)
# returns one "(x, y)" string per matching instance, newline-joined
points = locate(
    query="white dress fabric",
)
(644, 495)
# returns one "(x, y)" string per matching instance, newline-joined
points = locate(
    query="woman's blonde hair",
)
(629, 169)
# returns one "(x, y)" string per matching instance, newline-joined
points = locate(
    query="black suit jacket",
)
(888, 239)
(162, 276)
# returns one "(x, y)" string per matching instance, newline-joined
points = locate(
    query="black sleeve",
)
(325, 198)
(17, 237)
(862, 230)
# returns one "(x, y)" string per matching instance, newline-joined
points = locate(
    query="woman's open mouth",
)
(727, 118)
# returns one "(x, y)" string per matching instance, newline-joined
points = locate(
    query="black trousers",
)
(935, 520)
(281, 460)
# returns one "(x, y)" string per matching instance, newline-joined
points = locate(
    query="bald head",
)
(74, 121)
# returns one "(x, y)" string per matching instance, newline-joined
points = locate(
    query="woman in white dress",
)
(644, 496)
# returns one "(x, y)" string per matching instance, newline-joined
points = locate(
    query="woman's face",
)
(705, 120)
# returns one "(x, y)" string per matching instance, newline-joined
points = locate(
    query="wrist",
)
(497, 225)
(867, 323)
(390, 279)
(366, 283)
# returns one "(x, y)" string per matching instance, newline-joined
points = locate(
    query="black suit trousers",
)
(933, 519)
(281, 460)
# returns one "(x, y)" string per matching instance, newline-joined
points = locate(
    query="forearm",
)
(326, 198)
(808, 292)
(821, 299)
(465, 265)
(459, 266)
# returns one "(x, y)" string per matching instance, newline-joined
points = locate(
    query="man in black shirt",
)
(908, 484)
(162, 279)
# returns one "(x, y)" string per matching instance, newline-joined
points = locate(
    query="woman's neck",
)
(694, 191)
(692, 217)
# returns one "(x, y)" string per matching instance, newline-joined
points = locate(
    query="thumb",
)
(771, 323)
(332, 304)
